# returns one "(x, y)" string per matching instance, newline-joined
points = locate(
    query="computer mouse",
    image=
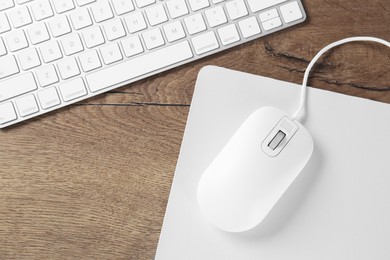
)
(253, 170)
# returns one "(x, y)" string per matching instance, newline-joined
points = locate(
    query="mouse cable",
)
(300, 113)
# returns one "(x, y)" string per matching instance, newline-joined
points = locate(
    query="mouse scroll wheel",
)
(278, 138)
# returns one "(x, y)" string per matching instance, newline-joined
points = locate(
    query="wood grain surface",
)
(91, 181)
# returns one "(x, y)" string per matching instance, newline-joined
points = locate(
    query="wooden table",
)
(92, 180)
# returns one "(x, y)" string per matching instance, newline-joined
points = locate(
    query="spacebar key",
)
(139, 66)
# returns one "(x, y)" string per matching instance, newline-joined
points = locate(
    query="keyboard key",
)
(62, 6)
(72, 44)
(68, 68)
(177, 8)
(156, 15)
(41, 9)
(8, 66)
(216, 16)
(29, 58)
(22, 1)
(84, 2)
(59, 26)
(153, 38)
(142, 3)
(228, 34)
(27, 105)
(272, 24)
(7, 113)
(4, 23)
(132, 46)
(236, 9)
(114, 29)
(73, 89)
(38, 33)
(139, 66)
(80, 18)
(5, 4)
(48, 98)
(249, 27)
(111, 53)
(174, 31)
(3, 50)
(46, 75)
(135, 22)
(198, 4)
(195, 23)
(20, 16)
(90, 61)
(256, 5)
(268, 15)
(93, 37)
(16, 40)
(102, 11)
(205, 42)
(291, 12)
(50, 51)
(17, 85)
(122, 6)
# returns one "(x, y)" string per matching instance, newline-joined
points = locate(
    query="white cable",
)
(300, 113)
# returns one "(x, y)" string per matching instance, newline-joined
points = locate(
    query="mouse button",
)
(279, 136)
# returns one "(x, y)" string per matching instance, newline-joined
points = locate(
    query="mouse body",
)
(253, 170)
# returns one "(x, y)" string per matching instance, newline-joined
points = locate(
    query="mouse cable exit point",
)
(300, 112)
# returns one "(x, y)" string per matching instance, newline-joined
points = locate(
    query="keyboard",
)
(57, 52)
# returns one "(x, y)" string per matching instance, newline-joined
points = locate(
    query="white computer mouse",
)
(250, 174)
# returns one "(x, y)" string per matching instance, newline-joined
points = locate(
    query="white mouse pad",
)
(337, 208)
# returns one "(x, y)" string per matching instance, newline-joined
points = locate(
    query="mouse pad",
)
(337, 208)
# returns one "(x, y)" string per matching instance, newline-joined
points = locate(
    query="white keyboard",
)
(57, 52)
